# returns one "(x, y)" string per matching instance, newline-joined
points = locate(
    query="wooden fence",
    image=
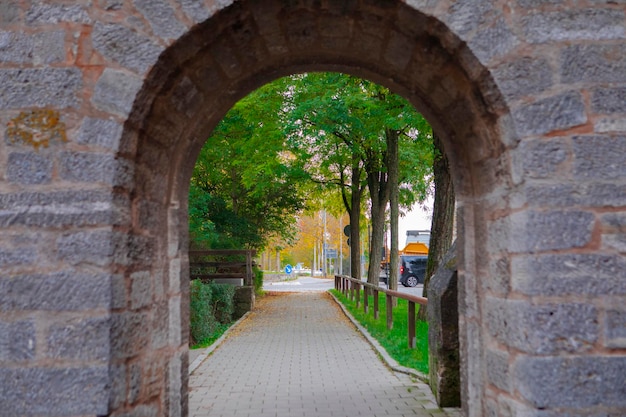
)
(222, 266)
(351, 288)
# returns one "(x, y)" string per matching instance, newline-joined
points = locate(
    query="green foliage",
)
(258, 280)
(211, 310)
(395, 340)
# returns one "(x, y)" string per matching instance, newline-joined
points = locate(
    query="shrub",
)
(211, 307)
(202, 321)
(258, 279)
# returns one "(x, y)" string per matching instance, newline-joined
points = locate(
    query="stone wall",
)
(104, 105)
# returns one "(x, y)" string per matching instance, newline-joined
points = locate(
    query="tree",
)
(246, 186)
(442, 227)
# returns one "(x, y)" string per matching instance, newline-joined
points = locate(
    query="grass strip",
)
(395, 341)
(208, 341)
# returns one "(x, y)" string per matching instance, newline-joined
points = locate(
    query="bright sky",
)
(416, 219)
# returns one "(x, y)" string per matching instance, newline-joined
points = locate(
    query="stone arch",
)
(528, 96)
(204, 73)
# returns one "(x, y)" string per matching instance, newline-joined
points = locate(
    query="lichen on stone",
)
(37, 128)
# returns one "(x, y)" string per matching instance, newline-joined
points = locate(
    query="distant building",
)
(421, 236)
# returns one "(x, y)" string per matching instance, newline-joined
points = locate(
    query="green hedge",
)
(211, 310)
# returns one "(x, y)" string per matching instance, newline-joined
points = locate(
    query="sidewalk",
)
(298, 355)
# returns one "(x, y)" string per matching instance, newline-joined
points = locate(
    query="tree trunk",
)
(355, 218)
(392, 155)
(442, 227)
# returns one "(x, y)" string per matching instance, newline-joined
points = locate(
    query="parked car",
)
(412, 269)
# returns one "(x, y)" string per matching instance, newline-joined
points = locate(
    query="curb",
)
(389, 361)
(208, 350)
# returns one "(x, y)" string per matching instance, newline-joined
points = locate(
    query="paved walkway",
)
(298, 355)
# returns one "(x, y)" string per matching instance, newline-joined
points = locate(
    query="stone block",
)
(41, 48)
(524, 76)
(123, 45)
(600, 194)
(130, 334)
(610, 124)
(593, 63)
(44, 13)
(14, 257)
(161, 17)
(608, 100)
(100, 132)
(93, 247)
(494, 41)
(533, 231)
(141, 289)
(60, 291)
(95, 168)
(571, 382)
(599, 157)
(615, 329)
(18, 341)
(134, 383)
(541, 158)
(569, 274)
(195, 10)
(570, 25)
(80, 339)
(29, 168)
(160, 324)
(466, 16)
(115, 92)
(174, 322)
(58, 209)
(9, 11)
(443, 332)
(54, 391)
(553, 113)
(545, 328)
(30, 87)
(117, 382)
(498, 374)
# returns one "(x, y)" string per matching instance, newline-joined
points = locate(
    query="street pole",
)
(324, 246)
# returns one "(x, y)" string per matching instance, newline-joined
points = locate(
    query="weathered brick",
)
(117, 382)
(57, 87)
(60, 291)
(553, 113)
(532, 4)
(13, 256)
(161, 17)
(80, 339)
(543, 329)
(29, 168)
(100, 132)
(125, 46)
(523, 77)
(584, 24)
(95, 167)
(18, 341)
(608, 100)
(465, 16)
(99, 247)
(609, 124)
(134, 382)
(54, 391)
(572, 382)
(42, 13)
(115, 92)
(573, 274)
(593, 63)
(615, 329)
(599, 157)
(40, 48)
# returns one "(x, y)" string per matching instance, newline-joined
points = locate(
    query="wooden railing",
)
(351, 288)
(222, 265)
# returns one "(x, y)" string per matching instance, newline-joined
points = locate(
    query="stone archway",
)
(526, 95)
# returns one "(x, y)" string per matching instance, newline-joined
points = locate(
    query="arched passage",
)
(205, 72)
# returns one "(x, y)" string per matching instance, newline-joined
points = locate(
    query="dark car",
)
(412, 269)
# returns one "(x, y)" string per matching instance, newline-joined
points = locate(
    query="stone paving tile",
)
(298, 355)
